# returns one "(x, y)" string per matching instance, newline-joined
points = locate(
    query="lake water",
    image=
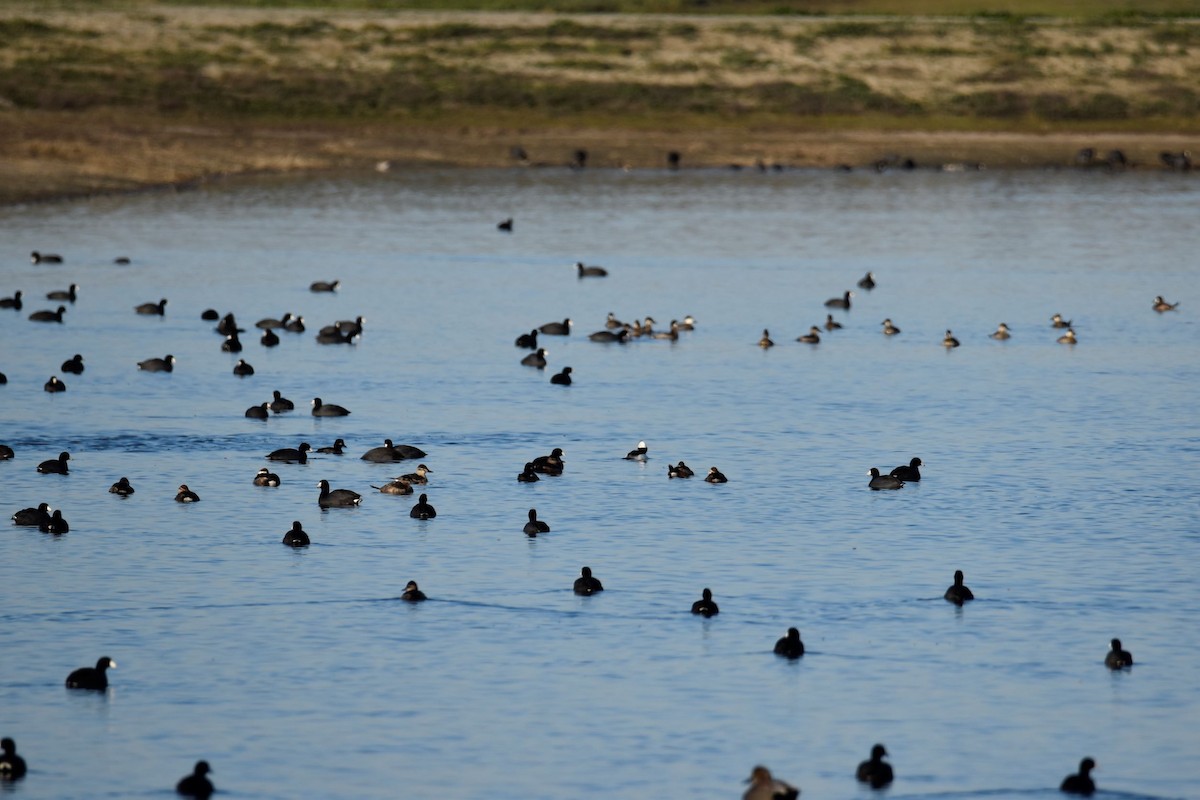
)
(1060, 479)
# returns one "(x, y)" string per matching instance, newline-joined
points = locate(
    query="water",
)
(1058, 478)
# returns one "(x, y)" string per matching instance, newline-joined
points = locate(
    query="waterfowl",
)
(73, 365)
(279, 403)
(56, 523)
(671, 334)
(715, 476)
(298, 455)
(1181, 161)
(186, 495)
(764, 786)
(94, 678)
(680, 470)
(1161, 305)
(1068, 337)
(209, 315)
(258, 412)
(228, 325)
(157, 309)
(910, 473)
(54, 385)
(338, 498)
(422, 509)
(505, 225)
(537, 359)
(320, 409)
(528, 475)
(197, 784)
(619, 336)
(590, 271)
(535, 525)
(1080, 783)
(418, 477)
(1116, 658)
(875, 771)
(766, 341)
(269, 339)
(324, 286)
(13, 302)
(638, 453)
(331, 335)
(551, 464)
(270, 323)
(397, 486)
(49, 316)
(6, 452)
(121, 487)
(164, 364)
(232, 344)
(392, 452)
(831, 324)
(867, 281)
(32, 517)
(266, 478)
(888, 328)
(688, 323)
(884, 481)
(586, 584)
(527, 341)
(1001, 332)
(958, 593)
(55, 465)
(948, 341)
(562, 378)
(12, 766)
(1058, 322)
(70, 293)
(294, 325)
(412, 593)
(242, 369)
(349, 327)
(612, 323)
(45, 258)
(557, 328)
(790, 645)
(296, 537)
(337, 448)
(705, 605)
(812, 337)
(840, 302)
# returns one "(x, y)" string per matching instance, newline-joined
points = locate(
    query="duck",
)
(1057, 321)
(298, 455)
(556, 328)
(55, 466)
(831, 324)
(612, 323)
(324, 286)
(764, 786)
(186, 495)
(671, 334)
(876, 771)
(32, 517)
(620, 336)
(332, 335)
(705, 605)
(294, 325)
(412, 593)
(527, 341)
(228, 325)
(266, 478)
(164, 364)
(73, 365)
(258, 412)
(269, 339)
(590, 271)
(54, 385)
(562, 378)
(94, 678)
(56, 524)
(688, 323)
(910, 473)
(888, 328)
(537, 359)
(232, 344)
(680, 470)
(867, 281)
(390, 452)
(321, 409)
(296, 537)
(49, 316)
(958, 593)
(45, 258)
(279, 403)
(1161, 305)
(71, 293)
(12, 766)
(790, 646)
(338, 498)
(422, 509)
(551, 464)
(122, 488)
(396, 486)
(14, 302)
(638, 453)
(766, 340)
(840, 302)
(1081, 782)
(586, 583)
(6, 452)
(210, 315)
(535, 526)
(156, 309)
(337, 448)
(242, 369)
(948, 341)
(812, 337)
(271, 323)
(418, 477)
(1117, 658)
(528, 475)
(1068, 337)
(884, 481)
(1001, 332)
(197, 784)
(715, 476)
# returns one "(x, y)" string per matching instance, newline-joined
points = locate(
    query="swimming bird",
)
(56, 523)
(164, 364)
(888, 328)
(766, 340)
(1001, 332)
(562, 378)
(55, 465)
(590, 272)
(556, 328)
(12, 766)
(412, 593)
(840, 302)
(638, 453)
(715, 476)
(336, 449)
(296, 537)
(258, 412)
(764, 786)
(71, 293)
(209, 315)
(49, 316)
(186, 495)
(958, 593)
(505, 225)
(54, 385)
(812, 337)
(242, 369)
(270, 323)
(876, 771)
(324, 286)
(269, 339)
(320, 409)
(94, 678)
(279, 403)
(73, 365)
(620, 336)
(341, 332)
(867, 281)
(228, 325)
(266, 478)
(157, 309)
(6, 452)
(910, 473)
(680, 470)
(1161, 305)
(1057, 321)
(338, 498)
(232, 344)
(418, 477)
(705, 605)
(121, 487)
(1068, 337)
(1116, 658)
(528, 475)
(422, 510)
(831, 324)
(884, 481)
(688, 323)
(197, 784)
(390, 452)
(790, 645)
(294, 325)
(14, 302)
(671, 334)
(397, 486)
(586, 584)
(537, 359)
(1080, 783)
(527, 341)
(298, 455)
(45, 258)
(535, 525)
(551, 464)
(612, 323)
(949, 341)
(32, 517)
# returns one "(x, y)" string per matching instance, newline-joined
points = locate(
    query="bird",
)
(715, 476)
(397, 486)
(590, 272)
(55, 466)
(324, 286)
(884, 481)
(876, 771)
(1068, 337)
(586, 584)
(157, 309)
(556, 328)
(338, 498)
(242, 369)
(705, 605)
(390, 452)
(840, 302)
(12, 766)
(764, 786)
(831, 324)
(13, 302)
(527, 341)
(186, 495)
(888, 328)
(671, 334)
(298, 455)
(336, 449)
(232, 344)
(279, 403)
(70, 293)
(1057, 321)
(54, 385)
(620, 336)
(766, 341)
(265, 478)
(94, 678)
(320, 409)
(812, 337)
(1116, 658)
(55, 524)
(45, 258)
(270, 323)
(294, 325)
(680, 470)
(412, 593)
(948, 341)
(296, 537)
(269, 338)
(73, 365)
(638, 453)
(535, 525)
(258, 412)
(209, 315)
(562, 378)
(612, 323)
(790, 645)
(49, 316)
(32, 517)
(910, 473)
(122, 487)
(197, 784)
(422, 510)
(551, 464)
(228, 325)
(6, 452)
(505, 225)
(867, 281)
(341, 332)
(537, 359)
(529, 474)
(418, 477)
(1161, 305)
(1080, 783)
(958, 594)
(1001, 332)
(164, 364)
(122, 260)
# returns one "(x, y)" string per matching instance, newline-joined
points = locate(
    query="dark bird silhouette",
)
(586, 584)
(764, 786)
(680, 470)
(265, 478)
(527, 341)
(958, 593)
(14, 302)
(296, 537)
(94, 678)
(1116, 658)
(12, 766)
(242, 369)
(324, 286)
(876, 771)
(715, 476)
(910, 473)
(156, 309)
(45, 258)
(840, 302)
(298, 455)
(337, 448)
(321, 409)
(1081, 783)
(590, 272)
(884, 481)
(49, 316)
(550, 465)
(197, 784)
(258, 412)
(412, 593)
(32, 517)
(69, 294)
(55, 466)
(535, 526)
(422, 510)
(790, 645)
(562, 378)
(73, 365)
(556, 328)
(56, 524)
(867, 281)
(122, 487)
(279, 403)
(1161, 305)
(338, 498)
(505, 225)
(186, 495)
(164, 364)
(528, 475)
(54, 385)
(705, 605)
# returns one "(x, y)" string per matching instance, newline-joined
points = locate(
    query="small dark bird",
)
(258, 412)
(705, 605)
(1057, 321)
(1116, 658)
(6, 452)
(389, 452)
(56, 524)
(1161, 305)
(296, 537)
(298, 455)
(228, 326)
(12, 766)
(164, 364)
(680, 470)
(32, 517)
(55, 465)
(73, 365)
(419, 477)
(320, 409)
(121, 487)
(242, 369)
(790, 645)
(812, 337)
(528, 475)
(1068, 337)
(186, 495)
(157, 309)
(562, 378)
(1082, 782)
(70, 293)
(337, 448)
(831, 324)
(13, 302)
(840, 302)
(867, 281)
(266, 478)
(422, 510)
(958, 594)
(54, 385)
(269, 338)
(590, 272)
(551, 464)
(535, 525)
(620, 336)
(909, 474)
(279, 403)
(93, 678)
(585, 584)
(556, 328)
(412, 593)
(397, 486)
(766, 340)
(876, 771)
(638, 453)
(338, 498)
(505, 225)
(49, 316)
(537, 359)
(528, 341)
(949, 341)
(121, 260)
(197, 784)
(324, 286)
(209, 315)
(883, 481)
(1001, 332)
(232, 344)
(888, 328)
(763, 786)
(715, 476)
(45, 258)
